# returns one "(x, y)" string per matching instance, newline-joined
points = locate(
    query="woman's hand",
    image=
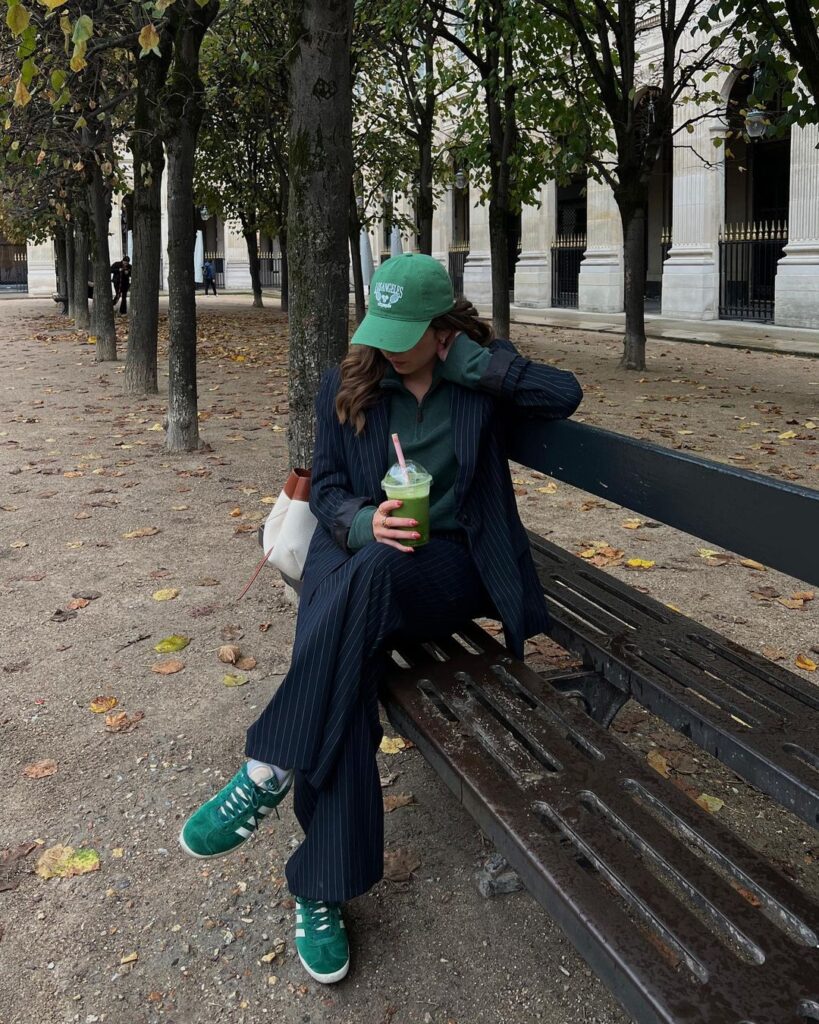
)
(389, 529)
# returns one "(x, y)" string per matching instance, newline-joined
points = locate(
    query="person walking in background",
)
(121, 277)
(209, 274)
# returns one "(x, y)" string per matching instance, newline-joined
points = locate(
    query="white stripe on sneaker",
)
(243, 832)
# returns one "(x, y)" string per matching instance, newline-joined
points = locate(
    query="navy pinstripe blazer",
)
(348, 469)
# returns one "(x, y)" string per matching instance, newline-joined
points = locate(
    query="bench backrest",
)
(774, 522)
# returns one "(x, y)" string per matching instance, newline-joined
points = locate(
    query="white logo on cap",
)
(387, 294)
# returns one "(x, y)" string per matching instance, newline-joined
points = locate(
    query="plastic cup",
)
(411, 488)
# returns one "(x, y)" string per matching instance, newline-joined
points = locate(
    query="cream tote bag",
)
(289, 528)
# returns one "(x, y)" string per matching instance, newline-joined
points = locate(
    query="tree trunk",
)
(104, 327)
(183, 426)
(60, 255)
(81, 315)
(149, 165)
(355, 256)
(634, 282)
(252, 242)
(183, 115)
(321, 168)
(70, 263)
(499, 254)
(426, 202)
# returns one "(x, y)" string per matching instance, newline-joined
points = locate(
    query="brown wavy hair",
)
(363, 367)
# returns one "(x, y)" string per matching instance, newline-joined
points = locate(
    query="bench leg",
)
(602, 700)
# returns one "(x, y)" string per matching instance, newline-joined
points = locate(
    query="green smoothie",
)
(410, 486)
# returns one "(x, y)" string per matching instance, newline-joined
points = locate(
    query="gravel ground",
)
(152, 936)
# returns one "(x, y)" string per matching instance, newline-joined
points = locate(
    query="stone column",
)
(42, 272)
(533, 274)
(237, 262)
(478, 267)
(797, 276)
(600, 287)
(691, 272)
(116, 250)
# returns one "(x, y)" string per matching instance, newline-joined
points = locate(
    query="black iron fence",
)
(218, 261)
(270, 269)
(13, 268)
(748, 257)
(567, 254)
(458, 253)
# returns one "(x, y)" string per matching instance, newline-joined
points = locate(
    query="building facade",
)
(732, 232)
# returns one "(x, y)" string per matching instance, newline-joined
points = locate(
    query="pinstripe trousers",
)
(323, 720)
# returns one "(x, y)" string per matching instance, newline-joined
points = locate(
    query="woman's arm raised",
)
(500, 370)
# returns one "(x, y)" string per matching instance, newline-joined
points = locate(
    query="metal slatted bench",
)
(680, 918)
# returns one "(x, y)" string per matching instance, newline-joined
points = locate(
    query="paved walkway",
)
(732, 333)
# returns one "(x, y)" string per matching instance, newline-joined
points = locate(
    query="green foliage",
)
(242, 159)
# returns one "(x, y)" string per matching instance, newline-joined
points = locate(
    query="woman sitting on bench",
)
(421, 366)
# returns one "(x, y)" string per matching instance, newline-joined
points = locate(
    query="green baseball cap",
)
(406, 293)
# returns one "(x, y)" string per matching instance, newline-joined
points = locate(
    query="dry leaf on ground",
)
(395, 800)
(805, 663)
(773, 653)
(749, 563)
(168, 594)
(228, 654)
(40, 769)
(399, 864)
(168, 667)
(246, 663)
(639, 563)
(120, 721)
(142, 531)
(77, 603)
(658, 763)
(231, 633)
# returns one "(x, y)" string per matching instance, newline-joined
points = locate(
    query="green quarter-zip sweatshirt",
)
(425, 431)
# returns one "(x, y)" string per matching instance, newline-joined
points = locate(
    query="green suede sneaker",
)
(232, 816)
(321, 940)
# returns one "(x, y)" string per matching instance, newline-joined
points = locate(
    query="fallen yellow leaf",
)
(550, 488)
(129, 958)
(99, 705)
(65, 862)
(749, 563)
(234, 680)
(168, 594)
(392, 744)
(172, 644)
(806, 663)
(787, 435)
(710, 803)
(632, 524)
(639, 563)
